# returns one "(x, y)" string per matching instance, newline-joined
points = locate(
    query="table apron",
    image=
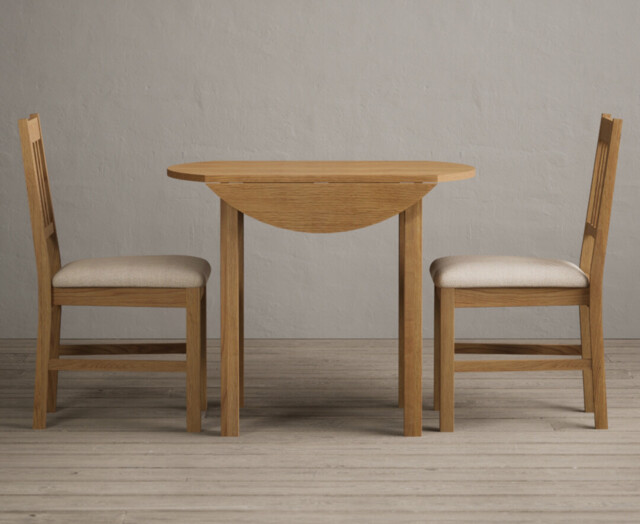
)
(321, 207)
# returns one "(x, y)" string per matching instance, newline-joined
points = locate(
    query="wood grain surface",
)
(318, 207)
(321, 171)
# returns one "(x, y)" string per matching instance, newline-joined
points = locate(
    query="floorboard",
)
(320, 442)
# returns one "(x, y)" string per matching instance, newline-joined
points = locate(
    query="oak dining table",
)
(320, 197)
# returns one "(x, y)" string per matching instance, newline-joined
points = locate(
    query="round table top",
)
(321, 171)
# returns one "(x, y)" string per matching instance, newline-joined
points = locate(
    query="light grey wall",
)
(126, 89)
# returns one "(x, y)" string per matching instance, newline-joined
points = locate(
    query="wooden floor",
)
(320, 442)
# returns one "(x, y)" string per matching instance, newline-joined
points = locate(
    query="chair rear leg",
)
(587, 374)
(194, 340)
(447, 370)
(42, 387)
(436, 349)
(597, 363)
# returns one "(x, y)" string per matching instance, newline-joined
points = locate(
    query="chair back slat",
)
(596, 231)
(598, 182)
(43, 182)
(40, 204)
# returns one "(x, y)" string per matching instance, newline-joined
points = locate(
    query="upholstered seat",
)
(163, 271)
(472, 271)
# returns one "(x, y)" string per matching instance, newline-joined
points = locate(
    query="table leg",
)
(410, 328)
(230, 266)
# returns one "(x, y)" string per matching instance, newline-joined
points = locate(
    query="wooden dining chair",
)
(145, 281)
(500, 281)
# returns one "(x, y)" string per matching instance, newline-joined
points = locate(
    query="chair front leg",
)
(447, 371)
(436, 349)
(54, 352)
(194, 355)
(203, 351)
(401, 250)
(241, 309)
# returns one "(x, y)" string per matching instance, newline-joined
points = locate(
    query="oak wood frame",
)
(232, 318)
(321, 171)
(314, 207)
(231, 325)
(589, 300)
(51, 300)
(410, 319)
(320, 197)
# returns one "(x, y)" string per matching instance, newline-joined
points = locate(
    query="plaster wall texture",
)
(127, 88)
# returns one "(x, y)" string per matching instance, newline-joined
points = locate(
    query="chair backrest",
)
(596, 230)
(43, 224)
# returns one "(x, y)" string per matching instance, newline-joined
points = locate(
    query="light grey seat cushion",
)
(173, 271)
(503, 271)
